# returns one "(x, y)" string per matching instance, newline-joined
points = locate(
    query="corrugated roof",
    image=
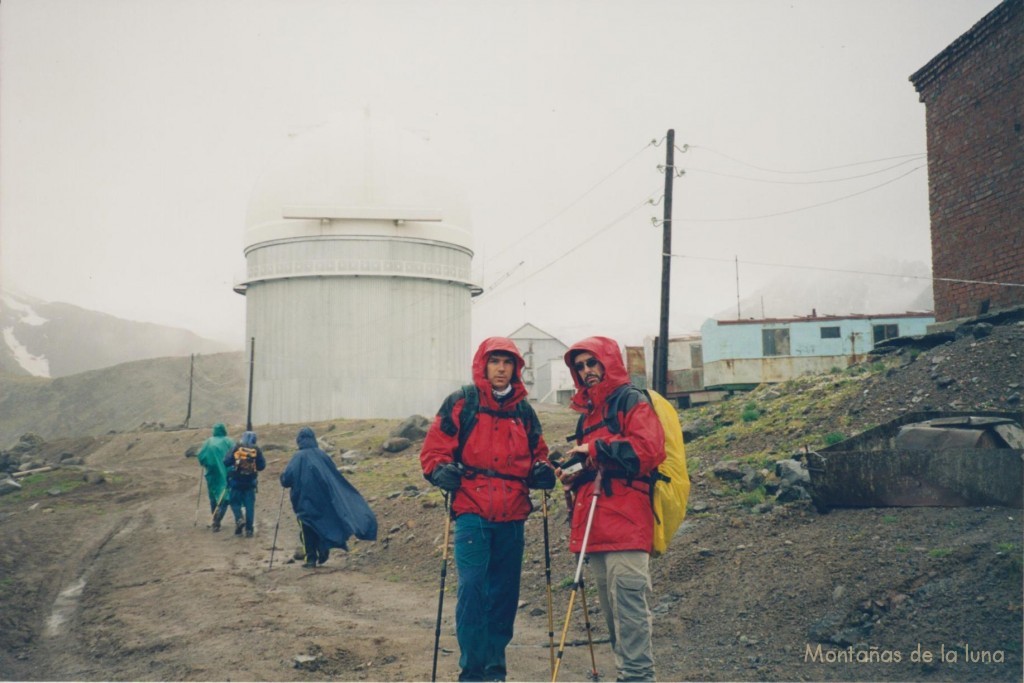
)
(828, 318)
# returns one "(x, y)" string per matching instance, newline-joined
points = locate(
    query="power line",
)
(850, 271)
(802, 208)
(818, 170)
(573, 203)
(594, 235)
(800, 182)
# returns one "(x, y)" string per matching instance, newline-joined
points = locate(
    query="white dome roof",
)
(362, 173)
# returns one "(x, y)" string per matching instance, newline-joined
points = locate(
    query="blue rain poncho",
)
(322, 498)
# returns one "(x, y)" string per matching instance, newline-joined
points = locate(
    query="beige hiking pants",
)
(623, 582)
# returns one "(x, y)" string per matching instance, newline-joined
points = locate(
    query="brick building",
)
(973, 93)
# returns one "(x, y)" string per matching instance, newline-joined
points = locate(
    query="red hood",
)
(488, 346)
(607, 351)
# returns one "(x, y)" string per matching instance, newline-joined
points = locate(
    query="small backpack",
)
(245, 461)
(671, 482)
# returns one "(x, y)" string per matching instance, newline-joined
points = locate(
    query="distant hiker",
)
(211, 458)
(244, 462)
(486, 449)
(329, 509)
(620, 540)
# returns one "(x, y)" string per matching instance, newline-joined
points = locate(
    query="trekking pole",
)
(579, 574)
(590, 637)
(547, 575)
(440, 595)
(273, 545)
(199, 496)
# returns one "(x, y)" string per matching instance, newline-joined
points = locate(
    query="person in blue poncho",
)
(330, 510)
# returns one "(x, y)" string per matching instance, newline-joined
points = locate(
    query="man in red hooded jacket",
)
(488, 473)
(622, 530)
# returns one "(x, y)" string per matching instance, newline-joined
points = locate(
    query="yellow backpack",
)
(672, 487)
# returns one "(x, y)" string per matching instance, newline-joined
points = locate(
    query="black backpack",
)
(471, 409)
(245, 462)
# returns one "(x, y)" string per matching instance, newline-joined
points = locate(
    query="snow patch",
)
(35, 365)
(28, 315)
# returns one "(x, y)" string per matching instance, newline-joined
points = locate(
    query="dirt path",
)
(145, 595)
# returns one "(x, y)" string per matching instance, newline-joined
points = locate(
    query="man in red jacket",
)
(486, 450)
(625, 448)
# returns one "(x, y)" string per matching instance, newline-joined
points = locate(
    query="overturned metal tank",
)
(935, 459)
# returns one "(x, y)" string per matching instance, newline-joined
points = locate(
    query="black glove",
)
(447, 477)
(541, 477)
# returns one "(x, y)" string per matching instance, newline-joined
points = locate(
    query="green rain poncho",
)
(211, 456)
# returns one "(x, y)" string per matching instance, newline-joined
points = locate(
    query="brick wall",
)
(974, 94)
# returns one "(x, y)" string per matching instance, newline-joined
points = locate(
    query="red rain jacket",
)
(623, 520)
(499, 444)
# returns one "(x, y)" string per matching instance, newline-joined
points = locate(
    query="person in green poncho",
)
(211, 457)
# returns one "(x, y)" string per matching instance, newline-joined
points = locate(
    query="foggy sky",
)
(131, 135)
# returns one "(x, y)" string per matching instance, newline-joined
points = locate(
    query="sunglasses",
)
(589, 363)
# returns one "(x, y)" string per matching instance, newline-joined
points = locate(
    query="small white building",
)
(546, 376)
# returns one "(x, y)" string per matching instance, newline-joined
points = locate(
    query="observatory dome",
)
(358, 278)
(363, 169)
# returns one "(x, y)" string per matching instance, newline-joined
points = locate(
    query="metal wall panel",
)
(355, 345)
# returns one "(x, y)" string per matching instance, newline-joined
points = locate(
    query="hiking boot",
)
(218, 515)
(308, 565)
(248, 533)
(239, 527)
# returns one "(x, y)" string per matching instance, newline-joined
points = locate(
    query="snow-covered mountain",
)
(46, 339)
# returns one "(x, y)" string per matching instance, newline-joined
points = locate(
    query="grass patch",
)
(939, 552)
(36, 486)
(752, 498)
(833, 438)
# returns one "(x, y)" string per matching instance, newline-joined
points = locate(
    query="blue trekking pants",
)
(489, 559)
(244, 498)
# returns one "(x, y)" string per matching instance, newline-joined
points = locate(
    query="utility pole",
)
(191, 366)
(738, 316)
(661, 349)
(252, 356)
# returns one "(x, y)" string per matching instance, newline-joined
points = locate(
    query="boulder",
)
(27, 444)
(413, 428)
(396, 444)
(752, 481)
(728, 471)
(792, 472)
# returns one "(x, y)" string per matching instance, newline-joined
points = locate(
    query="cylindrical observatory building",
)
(357, 278)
